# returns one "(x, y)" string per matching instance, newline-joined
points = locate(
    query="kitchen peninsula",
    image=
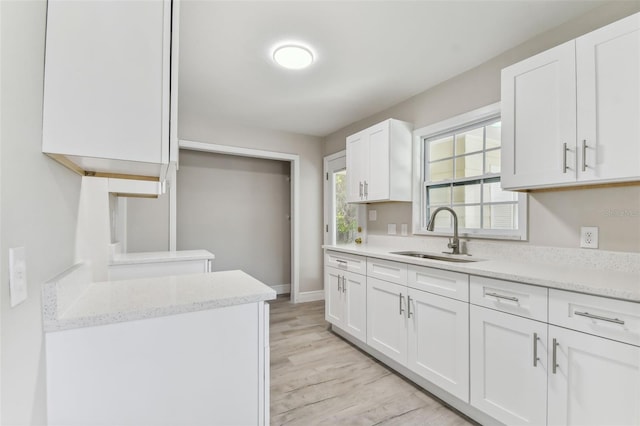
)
(156, 351)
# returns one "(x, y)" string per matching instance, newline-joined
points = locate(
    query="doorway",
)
(341, 219)
(239, 209)
(294, 164)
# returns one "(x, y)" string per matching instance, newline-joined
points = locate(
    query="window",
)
(460, 169)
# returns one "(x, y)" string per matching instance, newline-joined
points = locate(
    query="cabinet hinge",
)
(327, 177)
(326, 228)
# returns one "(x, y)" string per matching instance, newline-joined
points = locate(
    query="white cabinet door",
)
(355, 305)
(333, 295)
(608, 81)
(539, 119)
(508, 367)
(377, 184)
(379, 163)
(106, 81)
(596, 380)
(357, 166)
(439, 341)
(387, 319)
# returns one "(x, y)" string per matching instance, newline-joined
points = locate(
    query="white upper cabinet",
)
(539, 119)
(106, 85)
(379, 163)
(570, 114)
(608, 71)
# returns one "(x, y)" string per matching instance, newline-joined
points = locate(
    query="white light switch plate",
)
(404, 230)
(17, 275)
(373, 215)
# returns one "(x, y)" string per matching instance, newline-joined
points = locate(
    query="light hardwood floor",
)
(318, 378)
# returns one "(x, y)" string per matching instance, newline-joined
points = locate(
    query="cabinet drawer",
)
(387, 270)
(444, 283)
(515, 298)
(346, 262)
(614, 319)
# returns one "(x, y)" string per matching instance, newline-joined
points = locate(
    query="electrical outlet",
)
(589, 237)
(373, 215)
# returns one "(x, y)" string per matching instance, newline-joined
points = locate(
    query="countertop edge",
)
(157, 257)
(52, 325)
(476, 269)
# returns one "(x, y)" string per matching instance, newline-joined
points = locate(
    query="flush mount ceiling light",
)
(293, 56)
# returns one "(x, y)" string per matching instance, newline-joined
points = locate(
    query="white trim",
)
(467, 119)
(295, 196)
(281, 288)
(327, 201)
(166, 81)
(310, 296)
(173, 207)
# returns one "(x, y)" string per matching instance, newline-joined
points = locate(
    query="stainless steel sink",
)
(422, 255)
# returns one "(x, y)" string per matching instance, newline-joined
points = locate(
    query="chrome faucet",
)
(454, 243)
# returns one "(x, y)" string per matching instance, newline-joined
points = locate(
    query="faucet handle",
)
(452, 244)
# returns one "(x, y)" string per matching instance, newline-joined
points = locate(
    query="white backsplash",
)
(519, 252)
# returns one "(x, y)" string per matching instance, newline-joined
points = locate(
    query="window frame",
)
(459, 122)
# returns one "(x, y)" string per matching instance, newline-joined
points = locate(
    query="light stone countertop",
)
(160, 256)
(108, 302)
(608, 283)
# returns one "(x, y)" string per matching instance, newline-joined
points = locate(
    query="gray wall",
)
(39, 200)
(554, 217)
(196, 128)
(147, 224)
(238, 208)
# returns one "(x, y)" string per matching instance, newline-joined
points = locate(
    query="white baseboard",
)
(310, 296)
(282, 288)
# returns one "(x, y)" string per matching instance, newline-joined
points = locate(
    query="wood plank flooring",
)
(317, 378)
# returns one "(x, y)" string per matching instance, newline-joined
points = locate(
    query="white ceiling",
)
(370, 54)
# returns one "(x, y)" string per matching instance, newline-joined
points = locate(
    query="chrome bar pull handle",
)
(564, 158)
(598, 317)
(341, 263)
(408, 306)
(584, 155)
(535, 350)
(339, 288)
(361, 186)
(554, 357)
(366, 189)
(401, 308)
(500, 296)
(344, 284)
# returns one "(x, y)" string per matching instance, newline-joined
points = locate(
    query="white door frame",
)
(294, 159)
(328, 200)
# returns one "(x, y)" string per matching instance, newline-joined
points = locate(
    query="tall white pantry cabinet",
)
(570, 114)
(107, 99)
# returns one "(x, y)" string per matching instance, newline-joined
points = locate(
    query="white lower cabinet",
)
(346, 301)
(596, 381)
(387, 318)
(425, 332)
(439, 341)
(508, 367)
(503, 351)
(206, 367)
